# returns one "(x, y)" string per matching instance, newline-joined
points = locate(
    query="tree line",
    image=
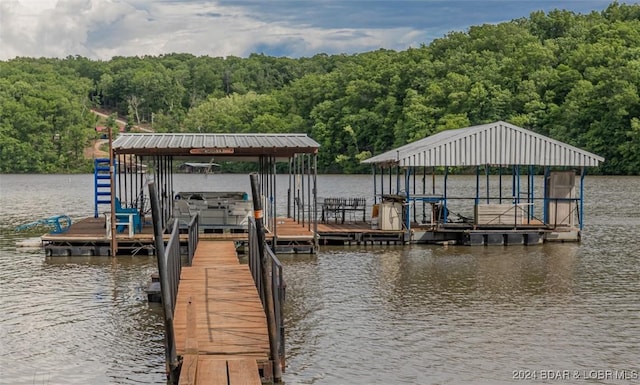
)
(573, 77)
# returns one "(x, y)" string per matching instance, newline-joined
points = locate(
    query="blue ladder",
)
(102, 183)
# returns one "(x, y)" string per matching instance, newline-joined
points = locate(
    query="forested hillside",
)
(573, 77)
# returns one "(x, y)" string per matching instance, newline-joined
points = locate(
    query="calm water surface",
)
(354, 315)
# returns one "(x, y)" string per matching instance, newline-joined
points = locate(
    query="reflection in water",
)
(427, 314)
(79, 320)
(354, 315)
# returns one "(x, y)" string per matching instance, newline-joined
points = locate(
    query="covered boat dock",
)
(122, 209)
(529, 188)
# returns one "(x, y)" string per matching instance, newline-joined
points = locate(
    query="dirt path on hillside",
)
(94, 151)
(121, 122)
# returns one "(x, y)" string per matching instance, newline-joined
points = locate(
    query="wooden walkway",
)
(219, 323)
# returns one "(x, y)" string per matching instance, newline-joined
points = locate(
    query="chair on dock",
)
(129, 215)
(332, 208)
(353, 206)
(338, 208)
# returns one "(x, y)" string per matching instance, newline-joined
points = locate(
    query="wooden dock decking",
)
(219, 322)
(87, 236)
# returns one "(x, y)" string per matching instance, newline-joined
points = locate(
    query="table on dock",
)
(220, 325)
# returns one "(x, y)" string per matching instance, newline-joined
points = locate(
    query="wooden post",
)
(170, 340)
(112, 182)
(266, 279)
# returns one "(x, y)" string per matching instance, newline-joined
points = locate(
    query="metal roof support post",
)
(112, 182)
(309, 191)
(500, 182)
(407, 210)
(140, 188)
(289, 190)
(375, 183)
(513, 183)
(414, 180)
(302, 186)
(518, 184)
(172, 192)
(531, 199)
(445, 213)
(486, 173)
(424, 192)
(124, 173)
(294, 200)
(381, 182)
(298, 176)
(119, 160)
(433, 180)
(415, 219)
(299, 187)
(545, 215)
(583, 172)
(478, 185)
(272, 186)
(315, 202)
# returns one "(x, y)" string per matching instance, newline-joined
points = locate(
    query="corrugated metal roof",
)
(498, 143)
(211, 144)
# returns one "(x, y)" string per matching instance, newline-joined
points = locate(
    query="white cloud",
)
(101, 29)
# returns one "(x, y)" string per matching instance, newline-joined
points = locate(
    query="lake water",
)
(354, 315)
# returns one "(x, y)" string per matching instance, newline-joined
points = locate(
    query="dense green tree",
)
(573, 77)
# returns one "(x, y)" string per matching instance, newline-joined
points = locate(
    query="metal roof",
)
(225, 145)
(498, 143)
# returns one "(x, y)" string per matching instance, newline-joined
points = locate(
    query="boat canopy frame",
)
(488, 148)
(135, 153)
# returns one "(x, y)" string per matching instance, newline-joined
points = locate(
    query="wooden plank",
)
(230, 317)
(212, 371)
(191, 337)
(189, 369)
(243, 372)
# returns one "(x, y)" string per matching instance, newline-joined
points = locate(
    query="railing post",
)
(194, 237)
(278, 288)
(266, 281)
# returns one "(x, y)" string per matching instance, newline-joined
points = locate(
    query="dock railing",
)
(169, 269)
(173, 264)
(194, 237)
(277, 283)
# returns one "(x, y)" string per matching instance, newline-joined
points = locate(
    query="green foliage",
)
(45, 122)
(573, 77)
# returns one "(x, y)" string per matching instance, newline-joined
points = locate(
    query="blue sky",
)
(101, 29)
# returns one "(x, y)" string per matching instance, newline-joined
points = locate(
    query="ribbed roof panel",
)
(498, 143)
(240, 144)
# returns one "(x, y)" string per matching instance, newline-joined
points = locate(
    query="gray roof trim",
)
(498, 143)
